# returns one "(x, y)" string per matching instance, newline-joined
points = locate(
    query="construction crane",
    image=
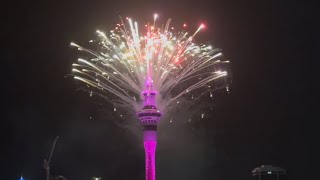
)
(46, 163)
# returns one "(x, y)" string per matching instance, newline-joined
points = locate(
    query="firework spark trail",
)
(126, 60)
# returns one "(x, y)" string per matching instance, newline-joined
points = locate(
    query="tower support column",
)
(150, 144)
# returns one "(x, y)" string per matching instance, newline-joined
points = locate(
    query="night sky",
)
(269, 117)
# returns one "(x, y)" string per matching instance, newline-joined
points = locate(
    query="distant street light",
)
(96, 178)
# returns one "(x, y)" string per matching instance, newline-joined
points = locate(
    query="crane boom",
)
(47, 163)
(52, 149)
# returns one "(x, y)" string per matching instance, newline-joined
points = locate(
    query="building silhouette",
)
(269, 172)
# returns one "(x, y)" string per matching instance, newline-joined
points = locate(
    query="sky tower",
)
(130, 65)
(149, 117)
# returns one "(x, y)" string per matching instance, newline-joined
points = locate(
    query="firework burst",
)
(129, 63)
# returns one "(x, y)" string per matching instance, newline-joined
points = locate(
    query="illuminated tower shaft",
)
(149, 117)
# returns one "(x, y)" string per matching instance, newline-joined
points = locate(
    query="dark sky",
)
(268, 118)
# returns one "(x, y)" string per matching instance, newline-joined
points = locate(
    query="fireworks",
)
(128, 63)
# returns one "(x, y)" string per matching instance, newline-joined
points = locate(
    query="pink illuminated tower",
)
(149, 117)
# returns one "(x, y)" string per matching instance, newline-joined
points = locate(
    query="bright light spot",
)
(73, 44)
(202, 115)
(76, 70)
(122, 45)
(269, 172)
(184, 25)
(155, 16)
(219, 54)
(202, 26)
(101, 34)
